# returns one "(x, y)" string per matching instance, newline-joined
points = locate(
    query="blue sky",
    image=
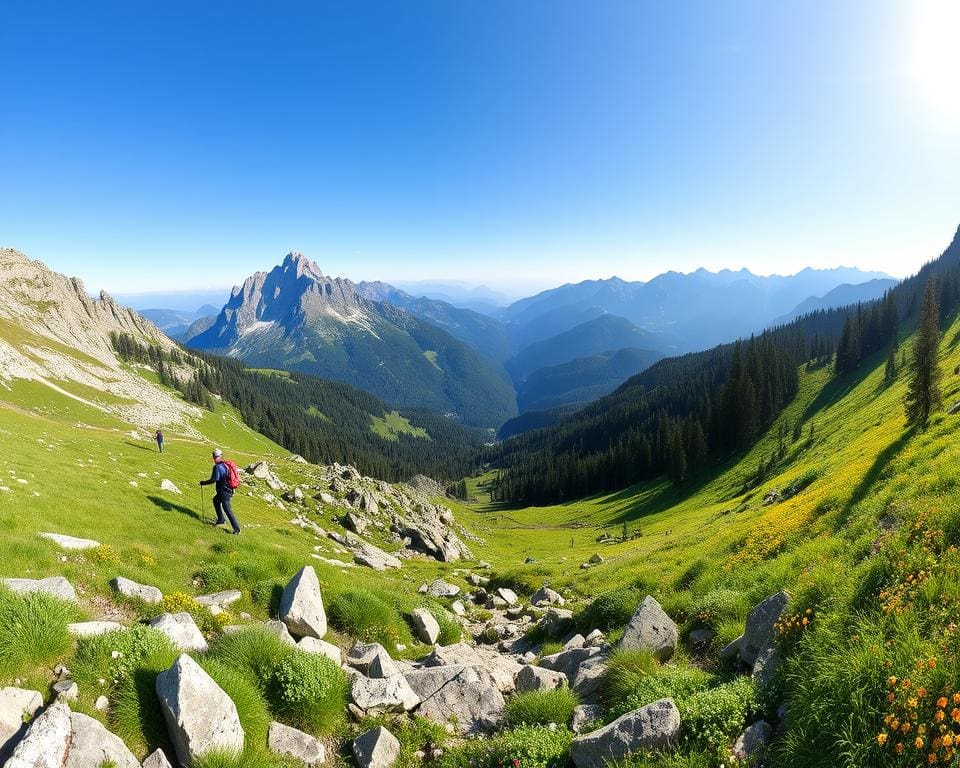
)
(185, 145)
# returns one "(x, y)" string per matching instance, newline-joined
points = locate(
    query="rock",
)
(531, 678)
(182, 631)
(652, 630)
(361, 655)
(200, 716)
(476, 580)
(259, 469)
(102, 704)
(279, 629)
(377, 748)
(326, 498)
(731, 650)
(766, 666)
(556, 621)
(129, 588)
(16, 704)
(422, 525)
(93, 628)
(752, 741)
(301, 605)
(321, 647)
(458, 608)
(297, 458)
(167, 485)
(220, 599)
(459, 695)
(501, 669)
(365, 553)
(584, 715)
(157, 759)
(700, 638)
(595, 559)
(653, 727)
(568, 662)
(289, 742)
(92, 745)
(595, 639)
(56, 586)
(354, 522)
(546, 596)
(588, 677)
(385, 694)
(758, 633)
(70, 542)
(382, 666)
(46, 741)
(508, 596)
(440, 588)
(577, 641)
(425, 627)
(66, 690)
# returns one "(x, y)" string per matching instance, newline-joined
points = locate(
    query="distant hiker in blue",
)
(226, 477)
(159, 439)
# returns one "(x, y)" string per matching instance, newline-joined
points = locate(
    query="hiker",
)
(159, 438)
(226, 478)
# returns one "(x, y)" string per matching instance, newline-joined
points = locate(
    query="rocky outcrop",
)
(46, 742)
(70, 542)
(387, 694)
(301, 605)
(425, 627)
(652, 630)
(93, 628)
(758, 633)
(365, 553)
(200, 716)
(91, 744)
(531, 678)
(55, 586)
(653, 727)
(458, 695)
(17, 707)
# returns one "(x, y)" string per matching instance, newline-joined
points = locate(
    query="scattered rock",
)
(752, 741)
(301, 605)
(595, 559)
(93, 628)
(157, 759)
(531, 678)
(556, 621)
(279, 629)
(56, 586)
(129, 588)
(354, 522)
(321, 647)
(440, 588)
(167, 485)
(182, 631)
(766, 666)
(425, 627)
(382, 666)
(459, 695)
(200, 716)
(651, 629)
(653, 727)
(289, 742)
(66, 690)
(220, 599)
(102, 704)
(568, 662)
(361, 655)
(700, 638)
(508, 596)
(584, 715)
(91, 744)
(16, 706)
(458, 608)
(758, 634)
(70, 542)
(546, 596)
(377, 748)
(588, 677)
(386, 694)
(46, 741)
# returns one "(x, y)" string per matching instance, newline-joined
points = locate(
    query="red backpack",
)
(233, 474)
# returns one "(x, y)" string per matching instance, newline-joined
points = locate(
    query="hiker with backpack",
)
(226, 478)
(159, 438)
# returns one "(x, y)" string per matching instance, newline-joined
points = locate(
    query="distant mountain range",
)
(841, 296)
(296, 318)
(174, 322)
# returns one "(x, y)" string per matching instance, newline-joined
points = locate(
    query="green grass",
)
(541, 708)
(530, 746)
(33, 631)
(366, 616)
(309, 692)
(392, 425)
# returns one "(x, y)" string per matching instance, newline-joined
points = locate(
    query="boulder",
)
(458, 608)
(200, 716)
(301, 605)
(220, 599)
(129, 588)
(182, 631)
(531, 678)
(321, 647)
(508, 596)
(577, 641)
(568, 662)
(93, 628)
(46, 741)
(440, 588)
(66, 690)
(595, 639)
(752, 741)
(381, 666)
(731, 650)
(766, 666)
(653, 727)
(425, 627)
(157, 759)
(700, 638)
(365, 553)
(595, 559)
(385, 694)
(584, 715)
(501, 669)
(92, 745)
(546, 596)
(289, 742)
(16, 706)
(279, 629)
(167, 485)
(377, 748)
(458, 695)
(556, 622)
(55, 586)
(361, 655)
(70, 542)
(354, 522)
(588, 677)
(758, 633)
(652, 630)
(422, 525)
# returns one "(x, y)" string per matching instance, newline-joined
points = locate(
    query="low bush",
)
(309, 692)
(255, 650)
(136, 714)
(217, 577)
(717, 607)
(266, 594)
(251, 758)
(609, 610)
(528, 747)
(33, 631)
(541, 708)
(626, 670)
(413, 733)
(627, 686)
(713, 718)
(113, 657)
(367, 617)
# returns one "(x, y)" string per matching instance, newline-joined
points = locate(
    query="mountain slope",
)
(297, 319)
(841, 296)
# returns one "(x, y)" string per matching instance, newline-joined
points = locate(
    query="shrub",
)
(266, 594)
(529, 747)
(550, 647)
(256, 651)
(627, 686)
(541, 708)
(626, 671)
(713, 718)
(95, 659)
(609, 610)
(33, 631)
(309, 692)
(181, 602)
(217, 577)
(250, 758)
(718, 606)
(365, 616)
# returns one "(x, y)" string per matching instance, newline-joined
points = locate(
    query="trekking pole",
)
(203, 513)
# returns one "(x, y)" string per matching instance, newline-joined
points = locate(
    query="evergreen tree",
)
(923, 389)
(677, 468)
(890, 372)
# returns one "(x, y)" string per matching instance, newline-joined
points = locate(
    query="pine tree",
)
(890, 372)
(677, 468)
(923, 389)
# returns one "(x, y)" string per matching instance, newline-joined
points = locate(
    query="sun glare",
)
(935, 64)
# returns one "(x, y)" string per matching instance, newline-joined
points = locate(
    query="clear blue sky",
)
(186, 144)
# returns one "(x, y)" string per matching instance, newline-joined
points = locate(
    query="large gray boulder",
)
(220, 599)
(652, 630)
(584, 715)
(200, 716)
(301, 605)
(46, 741)
(93, 745)
(289, 742)
(501, 669)
(425, 627)
(653, 727)
(758, 633)
(460, 695)
(55, 586)
(93, 628)
(321, 648)
(545, 597)
(377, 748)
(129, 588)
(16, 707)
(382, 666)
(440, 588)
(182, 631)
(589, 677)
(157, 759)
(385, 694)
(568, 662)
(531, 678)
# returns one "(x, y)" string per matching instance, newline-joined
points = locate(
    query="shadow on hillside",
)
(141, 447)
(880, 463)
(169, 506)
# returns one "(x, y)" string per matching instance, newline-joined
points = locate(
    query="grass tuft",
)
(33, 631)
(541, 708)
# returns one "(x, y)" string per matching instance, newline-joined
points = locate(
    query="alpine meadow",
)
(480, 385)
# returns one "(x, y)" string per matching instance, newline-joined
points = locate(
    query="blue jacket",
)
(219, 477)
